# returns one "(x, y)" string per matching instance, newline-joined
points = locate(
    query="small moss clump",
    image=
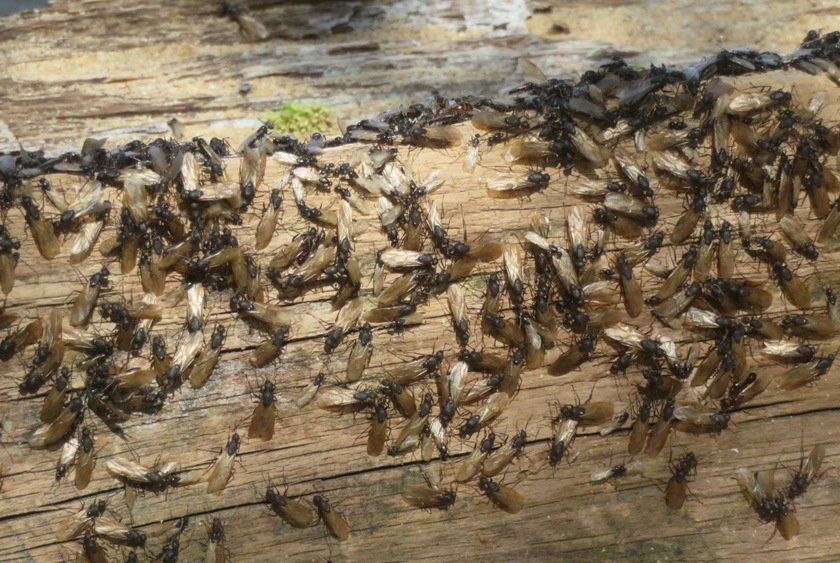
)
(302, 118)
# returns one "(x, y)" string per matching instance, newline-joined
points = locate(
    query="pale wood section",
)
(123, 69)
(56, 91)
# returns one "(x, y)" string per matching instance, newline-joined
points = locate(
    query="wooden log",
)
(314, 451)
(122, 70)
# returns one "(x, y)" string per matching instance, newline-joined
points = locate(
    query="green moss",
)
(302, 118)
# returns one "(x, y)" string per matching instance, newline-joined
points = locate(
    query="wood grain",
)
(123, 69)
(315, 451)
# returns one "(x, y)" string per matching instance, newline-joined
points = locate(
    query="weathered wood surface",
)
(565, 515)
(123, 69)
(313, 450)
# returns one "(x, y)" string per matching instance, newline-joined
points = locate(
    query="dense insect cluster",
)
(773, 504)
(682, 310)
